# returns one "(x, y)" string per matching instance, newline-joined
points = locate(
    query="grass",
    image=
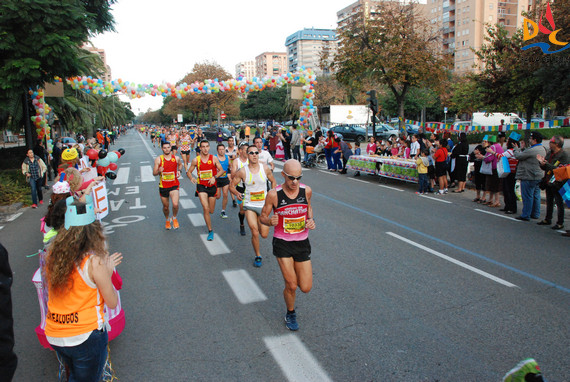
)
(14, 188)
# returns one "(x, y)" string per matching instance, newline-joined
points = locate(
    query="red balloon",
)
(92, 154)
(118, 154)
(101, 170)
(113, 166)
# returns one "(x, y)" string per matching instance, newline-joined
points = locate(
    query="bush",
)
(14, 188)
(546, 133)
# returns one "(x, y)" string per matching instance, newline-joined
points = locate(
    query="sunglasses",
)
(291, 177)
(253, 153)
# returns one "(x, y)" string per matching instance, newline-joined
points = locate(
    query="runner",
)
(168, 166)
(199, 138)
(292, 218)
(192, 133)
(185, 141)
(223, 182)
(231, 151)
(173, 139)
(153, 137)
(264, 156)
(240, 162)
(255, 176)
(207, 166)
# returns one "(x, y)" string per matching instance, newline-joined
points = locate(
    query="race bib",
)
(206, 175)
(294, 225)
(185, 143)
(258, 196)
(168, 176)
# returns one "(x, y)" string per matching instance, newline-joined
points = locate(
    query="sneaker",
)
(445, 191)
(175, 224)
(167, 225)
(257, 262)
(291, 321)
(242, 230)
(34, 205)
(524, 368)
(210, 236)
(418, 193)
(41, 202)
(223, 215)
(440, 192)
(234, 204)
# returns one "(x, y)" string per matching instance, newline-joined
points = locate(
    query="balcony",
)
(449, 40)
(450, 8)
(447, 30)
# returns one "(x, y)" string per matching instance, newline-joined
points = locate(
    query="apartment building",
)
(245, 69)
(304, 48)
(101, 52)
(269, 64)
(363, 10)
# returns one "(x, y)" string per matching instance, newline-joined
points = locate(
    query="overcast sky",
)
(160, 41)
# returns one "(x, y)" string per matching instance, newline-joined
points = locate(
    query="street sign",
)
(223, 116)
(445, 109)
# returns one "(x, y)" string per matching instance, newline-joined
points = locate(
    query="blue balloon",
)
(104, 162)
(113, 157)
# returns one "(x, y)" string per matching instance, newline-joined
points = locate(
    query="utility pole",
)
(373, 104)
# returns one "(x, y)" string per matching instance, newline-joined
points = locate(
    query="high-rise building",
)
(245, 69)
(269, 64)
(363, 10)
(304, 48)
(101, 52)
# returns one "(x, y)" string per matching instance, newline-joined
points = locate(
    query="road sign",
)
(223, 116)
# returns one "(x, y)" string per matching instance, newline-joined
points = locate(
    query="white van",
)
(494, 119)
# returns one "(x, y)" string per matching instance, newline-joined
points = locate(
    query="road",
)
(406, 288)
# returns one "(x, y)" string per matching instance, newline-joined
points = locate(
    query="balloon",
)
(92, 154)
(111, 175)
(101, 170)
(113, 166)
(104, 162)
(118, 154)
(102, 153)
(112, 157)
(122, 151)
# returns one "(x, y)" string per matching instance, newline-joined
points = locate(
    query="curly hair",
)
(68, 250)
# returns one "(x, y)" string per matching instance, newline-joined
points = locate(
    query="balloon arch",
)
(302, 76)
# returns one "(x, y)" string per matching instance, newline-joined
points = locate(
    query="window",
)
(491, 6)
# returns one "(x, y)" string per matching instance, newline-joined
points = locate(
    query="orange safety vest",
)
(79, 310)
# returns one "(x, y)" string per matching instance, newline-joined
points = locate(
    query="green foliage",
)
(267, 104)
(13, 188)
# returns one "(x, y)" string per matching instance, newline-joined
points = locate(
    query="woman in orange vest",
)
(78, 270)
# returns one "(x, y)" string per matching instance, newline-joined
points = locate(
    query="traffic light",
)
(372, 101)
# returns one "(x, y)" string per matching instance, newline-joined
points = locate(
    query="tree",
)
(396, 47)
(266, 104)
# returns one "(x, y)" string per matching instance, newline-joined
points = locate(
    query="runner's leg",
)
(225, 199)
(174, 196)
(253, 226)
(263, 229)
(205, 209)
(212, 204)
(165, 205)
(287, 266)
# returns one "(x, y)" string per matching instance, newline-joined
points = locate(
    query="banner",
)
(87, 175)
(101, 201)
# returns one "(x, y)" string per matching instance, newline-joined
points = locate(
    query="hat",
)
(61, 187)
(69, 154)
(486, 138)
(75, 218)
(515, 136)
(492, 138)
(501, 134)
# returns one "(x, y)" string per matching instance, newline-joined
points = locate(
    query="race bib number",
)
(167, 176)
(258, 196)
(294, 225)
(185, 143)
(206, 175)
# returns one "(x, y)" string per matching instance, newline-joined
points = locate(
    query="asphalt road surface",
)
(406, 288)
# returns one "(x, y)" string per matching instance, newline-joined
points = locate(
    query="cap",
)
(515, 136)
(492, 138)
(75, 218)
(501, 134)
(69, 154)
(486, 138)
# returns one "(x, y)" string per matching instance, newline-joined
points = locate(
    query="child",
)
(357, 152)
(422, 164)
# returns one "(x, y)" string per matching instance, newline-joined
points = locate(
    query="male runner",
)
(240, 162)
(168, 166)
(185, 141)
(292, 218)
(264, 156)
(223, 182)
(255, 176)
(192, 133)
(173, 139)
(208, 168)
(231, 151)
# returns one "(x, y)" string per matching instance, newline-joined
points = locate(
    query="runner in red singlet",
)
(168, 167)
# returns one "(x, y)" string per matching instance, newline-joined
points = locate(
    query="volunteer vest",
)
(169, 176)
(292, 215)
(205, 170)
(255, 187)
(77, 311)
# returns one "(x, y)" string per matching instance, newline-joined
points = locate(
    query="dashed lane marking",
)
(146, 174)
(187, 204)
(216, 246)
(197, 220)
(328, 172)
(436, 199)
(358, 180)
(243, 286)
(391, 188)
(122, 176)
(13, 217)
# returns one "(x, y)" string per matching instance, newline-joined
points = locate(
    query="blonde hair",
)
(74, 178)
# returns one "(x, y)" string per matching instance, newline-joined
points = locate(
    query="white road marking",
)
(391, 188)
(328, 172)
(146, 144)
(124, 164)
(439, 200)
(1, 226)
(13, 217)
(182, 192)
(358, 180)
(295, 361)
(187, 204)
(243, 286)
(454, 261)
(216, 246)
(122, 176)
(197, 220)
(492, 213)
(146, 174)
(145, 161)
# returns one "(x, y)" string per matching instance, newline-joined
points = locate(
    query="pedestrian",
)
(292, 218)
(34, 169)
(414, 147)
(557, 156)
(460, 155)
(509, 182)
(43, 154)
(8, 359)
(329, 146)
(296, 143)
(422, 163)
(209, 169)
(167, 166)
(56, 155)
(255, 176)
(357, 152)
(530, 174)
(492, 181)
(371, 147)
(78, 270)
(286, 139)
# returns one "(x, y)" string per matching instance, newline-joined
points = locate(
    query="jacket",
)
(26, 166)
(528, 167)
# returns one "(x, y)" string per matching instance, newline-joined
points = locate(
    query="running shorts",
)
(222, 182)
(165, 192)
(211, 191)
(185, 152)
(174, 148)
(299, 250)
(255, 209)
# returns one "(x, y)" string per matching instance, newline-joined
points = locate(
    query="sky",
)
(160, 41)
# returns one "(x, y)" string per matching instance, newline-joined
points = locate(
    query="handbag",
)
(503, 167)
(486, 168)
(562, 173)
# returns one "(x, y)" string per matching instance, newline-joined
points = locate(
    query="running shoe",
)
(36, 206)
(257, 262)
(519, 372)
(291, 321)
(242, 230)
(167, 225)
(175, 224)
(210, 236)
(223, 215)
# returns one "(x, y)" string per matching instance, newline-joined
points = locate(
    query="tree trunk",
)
(529, 110)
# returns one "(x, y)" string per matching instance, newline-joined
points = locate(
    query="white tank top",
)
(255, 187)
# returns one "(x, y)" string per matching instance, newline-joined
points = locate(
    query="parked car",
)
(211, 134)
(384, 131)
(326, 129)
(68, 141)
(350, 132)
(412, 129)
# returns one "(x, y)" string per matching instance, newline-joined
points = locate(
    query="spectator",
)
(318, 134)
(415, 146)
(286, 139)
(346, 152)
(460, 155)
(530, 175)
(8, 359)
(556, 157)
(477, 156)
(310, 143)
(336, 153)
(296, 143)
(357, 152)
(492, 181)
(56, 155)
(371, 147)
(509, 181)
(34, 169)
(440, 158)
(422, 163)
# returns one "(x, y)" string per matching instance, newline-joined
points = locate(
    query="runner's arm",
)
(236, 178)
(156, 170)
(310, 216)
(221, 171)
(270, 201)
(270, 176)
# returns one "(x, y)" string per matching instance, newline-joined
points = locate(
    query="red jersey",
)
(206, 170)
(169, 176)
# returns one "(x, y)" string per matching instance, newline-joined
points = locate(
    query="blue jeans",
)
(297, 152)
(87, 360)
(337, 163)
(530, 194)
(328, 156)
(423, 183)
(36, 185)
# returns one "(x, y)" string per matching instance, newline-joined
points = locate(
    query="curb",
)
(11, 208)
